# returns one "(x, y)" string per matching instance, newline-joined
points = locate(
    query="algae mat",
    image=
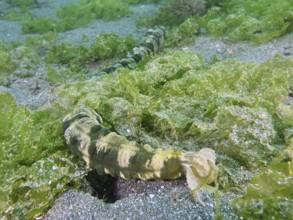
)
(237, 108)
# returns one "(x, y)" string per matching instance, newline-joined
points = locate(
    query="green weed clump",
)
(105, 46)
(74, 15)
(184, 33)
(270, 194)
(22, 3)
(35, 160)
(18, 16)
(256, 21)
(174, 12)
(7, 63)
(57, 76)
(80, 14)
(14, 57)
(41, 42)
(40, 25)
(229, 106)
(109, 10)
(77, 15)
(78, 57)
(234, 107)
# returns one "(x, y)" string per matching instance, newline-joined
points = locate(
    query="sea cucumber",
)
(110, 153)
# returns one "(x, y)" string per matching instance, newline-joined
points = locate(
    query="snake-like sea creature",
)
(110, 153)
(152, 43)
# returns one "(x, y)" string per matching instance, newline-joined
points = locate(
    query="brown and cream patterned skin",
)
(152, 43)
(110, 153)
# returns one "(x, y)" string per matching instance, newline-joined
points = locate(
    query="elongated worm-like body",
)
(110, 153)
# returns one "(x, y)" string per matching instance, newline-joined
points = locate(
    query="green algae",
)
(74, 15)
(270, 194)
(256, 21)
(66, 53)
(18, 16)
(234, 107)
(36, 164)
(7, 64)
(109, 10)
(22, 3)
(229, 106)
(39, 25)
(41, 42)
(174, 12)
(105, 46)
(20, 58)
(57, 76)
(77, 15)
(82, 13)
(184, 33)
(78, 57)
(237, 108)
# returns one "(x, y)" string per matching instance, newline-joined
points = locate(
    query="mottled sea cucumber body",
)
(152, 43)
(110, 153)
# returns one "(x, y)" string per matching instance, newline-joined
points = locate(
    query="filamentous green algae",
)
(251, 20)
(7, 64)
(270, 194)
(35, 165)
(237, 108)
(230, 106)
(257, 21)
(76, 15)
